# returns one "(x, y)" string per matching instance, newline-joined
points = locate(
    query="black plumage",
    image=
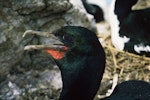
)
(83, 66)
(131, 90)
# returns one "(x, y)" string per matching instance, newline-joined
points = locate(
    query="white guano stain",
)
(139, 48)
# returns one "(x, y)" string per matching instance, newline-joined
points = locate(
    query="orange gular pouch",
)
(57, 54)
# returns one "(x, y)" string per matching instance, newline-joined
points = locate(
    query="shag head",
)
(81, 60)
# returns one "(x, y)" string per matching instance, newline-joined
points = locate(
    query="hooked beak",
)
(56, 44)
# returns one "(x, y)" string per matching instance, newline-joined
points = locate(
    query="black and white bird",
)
(81, 60)
(130, 28)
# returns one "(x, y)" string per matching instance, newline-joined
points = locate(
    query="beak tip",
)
(26, 48)
(27, 32)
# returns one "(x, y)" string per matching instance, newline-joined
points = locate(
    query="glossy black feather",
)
(123, 8)
(131, 90)
(83, 66)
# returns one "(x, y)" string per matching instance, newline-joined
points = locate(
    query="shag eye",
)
(67, 38)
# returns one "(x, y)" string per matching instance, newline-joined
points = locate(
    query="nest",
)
(121, 66)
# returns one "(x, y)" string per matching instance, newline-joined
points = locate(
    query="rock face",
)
(17, 16)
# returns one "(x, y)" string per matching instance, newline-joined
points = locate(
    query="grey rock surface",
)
(42, 15)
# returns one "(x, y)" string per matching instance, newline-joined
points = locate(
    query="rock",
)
(42, 15)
